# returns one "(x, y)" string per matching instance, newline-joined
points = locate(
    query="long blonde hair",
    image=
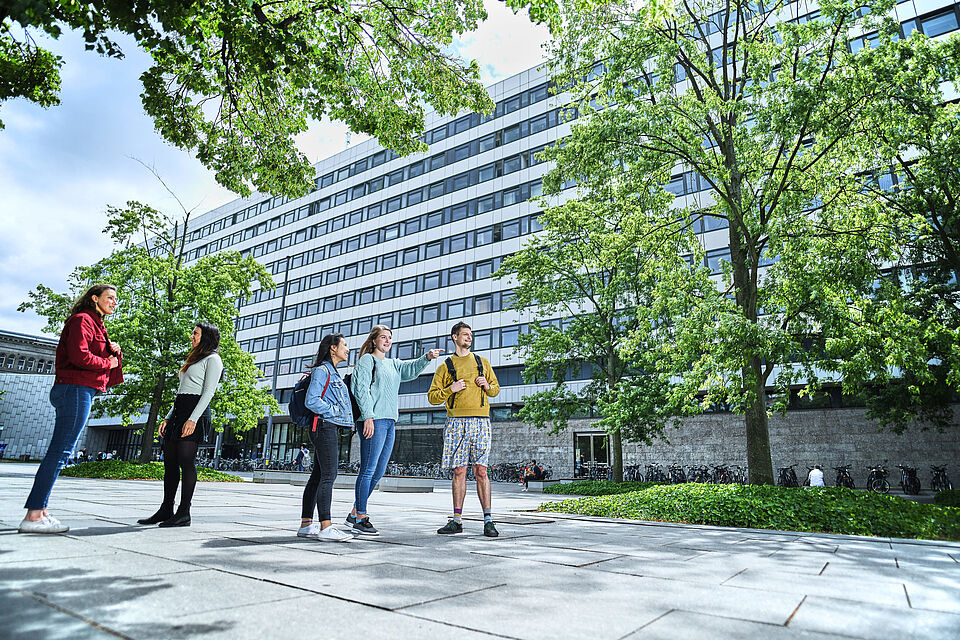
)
(367, 346)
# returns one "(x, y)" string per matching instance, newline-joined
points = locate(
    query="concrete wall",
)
(829, 437)
(28, 417)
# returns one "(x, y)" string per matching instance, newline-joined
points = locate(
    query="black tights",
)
(179, 466)
(318, 493)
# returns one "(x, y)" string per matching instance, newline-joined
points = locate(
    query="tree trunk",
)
(744, 263)
(759, 462)
(150, 429)
(616, 445)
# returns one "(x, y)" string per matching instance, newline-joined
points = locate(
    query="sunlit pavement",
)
(240, 571)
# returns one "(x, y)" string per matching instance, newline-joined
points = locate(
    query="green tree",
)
(771, 121)
(234, 81)
(161, 299)
(592, 283)
(905, 357)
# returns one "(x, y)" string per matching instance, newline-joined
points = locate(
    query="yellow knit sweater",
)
(467, 403)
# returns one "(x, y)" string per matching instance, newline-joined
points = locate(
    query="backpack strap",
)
(453, 374)
(483, 396)
(327, 384)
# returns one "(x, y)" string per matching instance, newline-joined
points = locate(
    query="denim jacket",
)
(334, 406)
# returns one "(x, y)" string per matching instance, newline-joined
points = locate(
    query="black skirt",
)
(183, 406)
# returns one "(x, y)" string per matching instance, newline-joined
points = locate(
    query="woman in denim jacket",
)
(327, 397)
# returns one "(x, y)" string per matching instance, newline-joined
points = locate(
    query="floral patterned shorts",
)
(466, 441)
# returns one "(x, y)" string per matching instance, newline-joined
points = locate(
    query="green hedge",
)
(120, 470)
(949, 498)
(596, 487)
(828, 509)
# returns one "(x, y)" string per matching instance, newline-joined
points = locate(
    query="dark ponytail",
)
(329, 341)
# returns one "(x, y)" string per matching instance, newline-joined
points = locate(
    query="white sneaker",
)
(332, 534)
(46, 524)
(309, 531)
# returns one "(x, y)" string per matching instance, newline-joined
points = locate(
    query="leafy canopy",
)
(161, 300)
(234, 81)
(768, 125)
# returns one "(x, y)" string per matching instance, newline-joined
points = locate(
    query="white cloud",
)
(61, 167)
(505, 44)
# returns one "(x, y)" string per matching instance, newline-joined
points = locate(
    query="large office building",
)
(413, 243)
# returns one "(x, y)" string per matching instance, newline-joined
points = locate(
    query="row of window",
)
(483, 340)
(466, 179)
(12, 362)
(413, 316)
(471, 148)
(383, 291)
(449, 310)
(457, 242)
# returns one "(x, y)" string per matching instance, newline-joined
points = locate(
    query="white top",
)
(816, 478)
(201, 378)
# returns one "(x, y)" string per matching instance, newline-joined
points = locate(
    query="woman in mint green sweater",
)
(375, 384)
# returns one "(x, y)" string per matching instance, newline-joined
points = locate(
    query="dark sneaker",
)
(489, 530)
(351, 520)
(364, 528)
(451, 527)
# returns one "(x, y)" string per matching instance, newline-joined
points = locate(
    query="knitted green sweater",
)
(379, 400)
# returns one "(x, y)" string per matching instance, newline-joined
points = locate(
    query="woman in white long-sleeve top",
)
(188, 424)
(375, 384)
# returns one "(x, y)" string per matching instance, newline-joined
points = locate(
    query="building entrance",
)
(591, 456)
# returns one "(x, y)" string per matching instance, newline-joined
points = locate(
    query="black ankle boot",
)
(180, 519)
(163, 513)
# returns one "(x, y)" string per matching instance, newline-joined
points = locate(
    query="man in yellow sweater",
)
(463, 383)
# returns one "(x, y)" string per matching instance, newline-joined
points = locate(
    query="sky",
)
(60, 167)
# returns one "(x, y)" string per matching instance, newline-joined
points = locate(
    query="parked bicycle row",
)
(876, 478)
(677, 474)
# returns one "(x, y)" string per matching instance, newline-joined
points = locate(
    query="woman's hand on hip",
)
(188, 428)
(368, 428)
(163, 428)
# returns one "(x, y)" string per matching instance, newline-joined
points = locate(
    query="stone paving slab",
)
(685, 624)
(240, 571)
(37, 618)
(873, 622)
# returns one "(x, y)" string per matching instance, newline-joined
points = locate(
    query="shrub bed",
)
(828, 510)
(948, 498)
(120, 470)
(596, 487)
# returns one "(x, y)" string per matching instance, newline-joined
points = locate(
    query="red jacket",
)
(83, 352)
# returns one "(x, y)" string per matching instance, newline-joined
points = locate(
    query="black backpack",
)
(453, 374)
(297, 408)
(353, 399)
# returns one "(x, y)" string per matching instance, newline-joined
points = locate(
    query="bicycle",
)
(877, 478)
(721, 475)
(787, 477)
(939, 480)
(632, 473)
(844, 479)
(699, 474)
(655, 474)
(676, 475)
(739, 475)
(908, 479)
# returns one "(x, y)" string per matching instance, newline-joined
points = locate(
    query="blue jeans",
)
(72, 403)
(374, 455)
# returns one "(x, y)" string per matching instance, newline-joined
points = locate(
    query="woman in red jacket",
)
(87, 362)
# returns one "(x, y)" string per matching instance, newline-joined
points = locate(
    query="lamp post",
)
(268, 436)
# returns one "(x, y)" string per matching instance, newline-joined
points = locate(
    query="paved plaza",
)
(241, 572)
